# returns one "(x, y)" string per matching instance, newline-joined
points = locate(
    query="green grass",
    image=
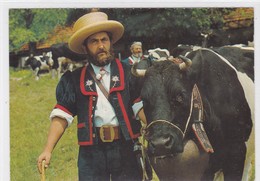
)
(31, 102)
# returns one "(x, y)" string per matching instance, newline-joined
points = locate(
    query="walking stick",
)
(43, 171)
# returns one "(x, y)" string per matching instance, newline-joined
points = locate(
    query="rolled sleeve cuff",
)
(61, 114)
(137, 107)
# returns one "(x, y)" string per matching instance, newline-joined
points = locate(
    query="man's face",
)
(137, 51)
(98, 46)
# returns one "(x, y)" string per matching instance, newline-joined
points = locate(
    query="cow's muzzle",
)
(164, 138)
(164, 146)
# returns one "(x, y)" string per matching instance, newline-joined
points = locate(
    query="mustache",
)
(102, 51)
(108, 53)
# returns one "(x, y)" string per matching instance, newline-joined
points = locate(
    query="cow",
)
(158, 54)
(65, 59)
(222, 37)
(183, 49)
(228, 110)
(239, 55)
(39, 64)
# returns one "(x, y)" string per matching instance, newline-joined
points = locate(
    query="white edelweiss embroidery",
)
(89, 83)
(115, 79)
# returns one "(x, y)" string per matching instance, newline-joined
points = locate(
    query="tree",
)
(33, 25)
(168, 26)
(163, 27)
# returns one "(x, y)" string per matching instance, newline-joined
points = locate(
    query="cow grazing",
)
(228, 110)
(64, 58)
(39, 64)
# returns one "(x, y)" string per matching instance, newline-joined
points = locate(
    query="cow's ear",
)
(139, 69)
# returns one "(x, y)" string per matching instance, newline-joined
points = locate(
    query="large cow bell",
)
(186, 166)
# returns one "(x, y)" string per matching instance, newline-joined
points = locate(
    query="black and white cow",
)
(39, 64)
(228, 101)
(65, 59)
(240, 56)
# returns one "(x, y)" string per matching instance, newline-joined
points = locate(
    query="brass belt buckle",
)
(111, 131)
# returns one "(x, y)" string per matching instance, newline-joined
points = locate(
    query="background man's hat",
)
(90, 24)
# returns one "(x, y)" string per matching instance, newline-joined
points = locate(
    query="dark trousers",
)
(103, 161)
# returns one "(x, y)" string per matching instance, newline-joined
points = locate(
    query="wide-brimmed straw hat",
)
(90, 24)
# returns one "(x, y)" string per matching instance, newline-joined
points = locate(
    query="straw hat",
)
(90, 24)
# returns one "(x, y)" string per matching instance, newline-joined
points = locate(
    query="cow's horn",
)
(137, 72)
(186, 63)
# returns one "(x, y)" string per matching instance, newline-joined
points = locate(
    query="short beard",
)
(138, 55)
(96, 60)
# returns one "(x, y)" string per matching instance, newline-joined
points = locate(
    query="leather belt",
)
(108, 133)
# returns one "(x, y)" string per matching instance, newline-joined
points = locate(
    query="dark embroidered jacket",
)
(76, 94)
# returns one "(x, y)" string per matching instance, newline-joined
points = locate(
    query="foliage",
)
(168, 23)
(33, 25)
(74, 14)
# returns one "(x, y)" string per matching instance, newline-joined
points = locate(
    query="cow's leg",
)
(234, 165)
(59, 72)
(53, 72)
(59, 68)
(37, 76)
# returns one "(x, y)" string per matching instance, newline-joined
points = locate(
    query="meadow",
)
(31, 102)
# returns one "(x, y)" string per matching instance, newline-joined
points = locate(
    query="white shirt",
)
(104, 112)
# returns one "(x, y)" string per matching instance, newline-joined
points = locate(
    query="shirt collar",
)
(97, 68)
(136, 58)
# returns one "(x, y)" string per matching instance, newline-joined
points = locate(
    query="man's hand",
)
(57, 128)
(44, 156)
(142, 117)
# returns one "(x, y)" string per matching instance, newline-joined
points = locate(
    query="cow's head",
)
(166, 95)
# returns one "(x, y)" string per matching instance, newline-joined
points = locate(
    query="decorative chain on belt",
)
(197, 124)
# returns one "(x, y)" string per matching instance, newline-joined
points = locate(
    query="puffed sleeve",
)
(65, 93)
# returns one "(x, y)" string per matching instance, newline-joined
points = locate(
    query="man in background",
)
(137, 53)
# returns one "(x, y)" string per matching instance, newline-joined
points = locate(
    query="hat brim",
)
(76, 40)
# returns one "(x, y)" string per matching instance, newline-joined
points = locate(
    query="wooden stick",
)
(43, 171)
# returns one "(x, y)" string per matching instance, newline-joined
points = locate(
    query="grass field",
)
(31, 102)
(30, 105)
